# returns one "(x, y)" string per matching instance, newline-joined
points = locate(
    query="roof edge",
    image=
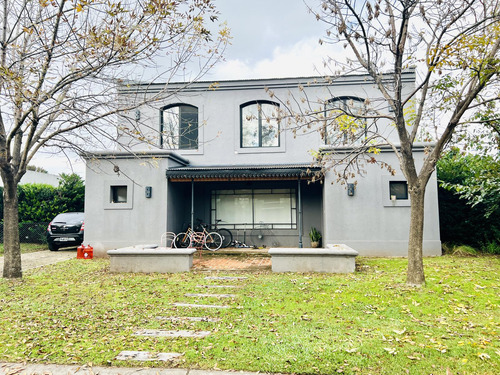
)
(161, 154)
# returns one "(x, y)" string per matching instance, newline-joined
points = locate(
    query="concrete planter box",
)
(147, 260)
(334, 259)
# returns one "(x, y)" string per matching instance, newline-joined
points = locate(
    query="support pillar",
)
(299, 206)
(192, 203)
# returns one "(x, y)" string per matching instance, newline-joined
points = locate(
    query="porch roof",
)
(242, 172)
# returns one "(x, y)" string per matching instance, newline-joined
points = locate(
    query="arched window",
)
(345, 121)
(259, 124)
(179, 127)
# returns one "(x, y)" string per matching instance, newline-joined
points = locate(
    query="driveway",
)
(43, 258)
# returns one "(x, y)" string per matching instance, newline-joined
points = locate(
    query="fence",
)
(30, 232)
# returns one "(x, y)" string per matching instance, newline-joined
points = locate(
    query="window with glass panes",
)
(259, 124)
(251, 208)
(344, 122)
(179, 127)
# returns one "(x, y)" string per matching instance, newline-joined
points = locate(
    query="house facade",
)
(218, 152)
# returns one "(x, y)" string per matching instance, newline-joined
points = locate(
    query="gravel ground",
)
(43, 258)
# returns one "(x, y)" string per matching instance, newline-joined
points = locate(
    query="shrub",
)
(466, 217)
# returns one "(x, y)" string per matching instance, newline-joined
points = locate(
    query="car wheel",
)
(52, 247)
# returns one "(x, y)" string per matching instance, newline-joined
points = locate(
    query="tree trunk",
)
(415, 274)
(12, 248)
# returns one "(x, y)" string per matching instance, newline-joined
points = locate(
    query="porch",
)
(263, 206)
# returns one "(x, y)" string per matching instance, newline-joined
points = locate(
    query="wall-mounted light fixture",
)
(137, 115)
(149, 191)
(350, 189)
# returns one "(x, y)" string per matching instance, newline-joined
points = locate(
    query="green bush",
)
(469, 211)
(41, 203)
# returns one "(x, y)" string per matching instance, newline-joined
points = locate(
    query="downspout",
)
(299, 193)
(192, 203)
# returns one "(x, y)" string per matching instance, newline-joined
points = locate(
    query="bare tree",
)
(454, 47)
(60, 62)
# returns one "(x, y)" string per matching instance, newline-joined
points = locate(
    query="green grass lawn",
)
(369, 322)
(28, 247)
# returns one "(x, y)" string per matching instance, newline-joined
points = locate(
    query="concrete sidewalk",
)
(42, 369)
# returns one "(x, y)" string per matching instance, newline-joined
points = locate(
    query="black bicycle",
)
(227, 236)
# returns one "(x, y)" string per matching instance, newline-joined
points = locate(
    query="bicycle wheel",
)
(227, 237)
(182, 240)
(213, 241)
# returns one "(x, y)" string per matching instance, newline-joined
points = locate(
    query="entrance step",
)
(131, 355)
(165, 333)
(210, 295)
(201, 306)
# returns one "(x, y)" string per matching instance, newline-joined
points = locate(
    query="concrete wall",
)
(372, 224)
(142, 220)
(219, 118)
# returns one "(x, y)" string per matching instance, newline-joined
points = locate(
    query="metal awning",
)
(242, 173)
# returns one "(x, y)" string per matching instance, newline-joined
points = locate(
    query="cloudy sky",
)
(270, 39)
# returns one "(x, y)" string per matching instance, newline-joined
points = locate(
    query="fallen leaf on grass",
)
(399, 332)
(390, 350)
(483, 356)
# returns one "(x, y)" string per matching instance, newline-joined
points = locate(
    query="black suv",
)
(65, 230)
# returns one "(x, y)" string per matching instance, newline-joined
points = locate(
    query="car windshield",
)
(69, 217)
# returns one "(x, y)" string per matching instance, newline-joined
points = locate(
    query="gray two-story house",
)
(221, 152)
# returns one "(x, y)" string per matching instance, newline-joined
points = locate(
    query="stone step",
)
(188, 318)
(131, 355)
(201, 306)
(210, 295)
(166, 333)
(218, 286)
(225, 278)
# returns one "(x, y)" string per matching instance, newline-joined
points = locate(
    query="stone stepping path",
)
(225, 278)
(218, 286)
(130, 355)
(201, 306)
(210, 295)
(147, 356)
(188, 318)
(165, 333)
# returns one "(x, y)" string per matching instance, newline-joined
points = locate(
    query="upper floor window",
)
(259, 124)
(345, 121)
(179, 127)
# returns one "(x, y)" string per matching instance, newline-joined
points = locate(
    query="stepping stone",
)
(188, 318)
(201, 306)
(130, 355)
(165, 333)
(225, 278)
(210, 295)
(218, 286)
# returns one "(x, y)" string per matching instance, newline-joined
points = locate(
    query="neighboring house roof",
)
(242, 172)
(32, 177)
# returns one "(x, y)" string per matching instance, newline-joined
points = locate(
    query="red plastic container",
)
(84, 252)
(79, 252)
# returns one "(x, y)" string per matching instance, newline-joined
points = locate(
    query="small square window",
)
(118, 194)
(398, 190)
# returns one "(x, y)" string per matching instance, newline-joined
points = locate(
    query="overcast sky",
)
(270, 39)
